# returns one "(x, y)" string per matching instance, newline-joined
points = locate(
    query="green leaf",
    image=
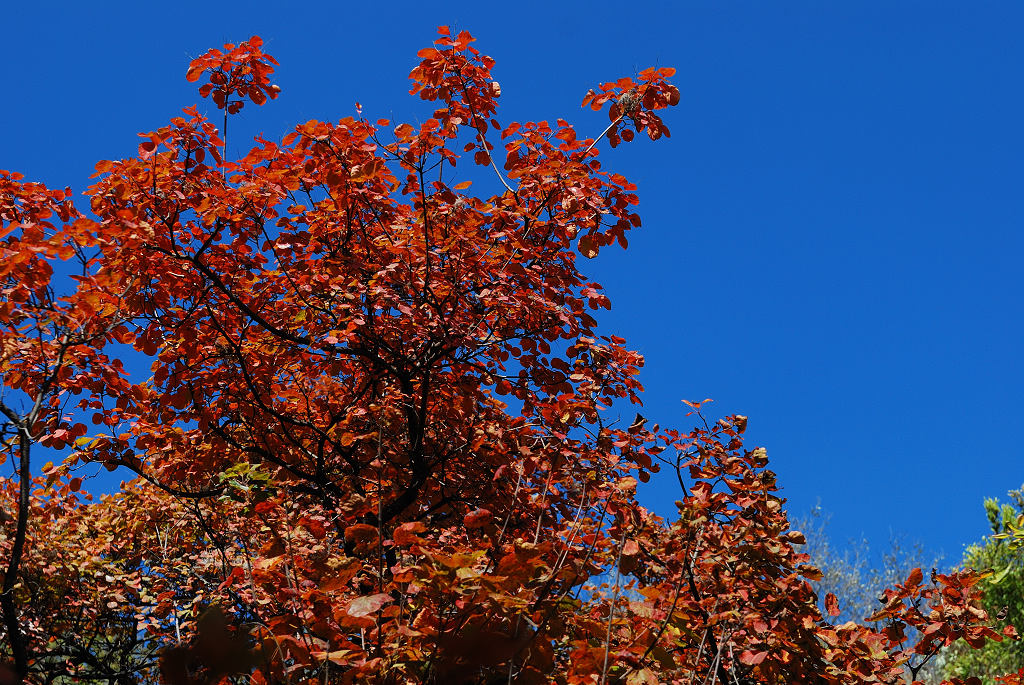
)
(998, 577)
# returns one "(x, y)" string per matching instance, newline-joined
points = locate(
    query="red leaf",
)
(361, 532)
(236, 574)
(478, 518)
(405, 534)
(831, 604)
(588, 247)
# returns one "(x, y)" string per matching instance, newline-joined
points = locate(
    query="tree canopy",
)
(377, 441)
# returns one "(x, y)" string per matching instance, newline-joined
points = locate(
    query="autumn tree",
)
(857, 575)
(378, 438)
(50, 349)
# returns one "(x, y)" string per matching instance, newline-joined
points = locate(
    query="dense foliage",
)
(1004, 592)
(375, 443)
(857, 574)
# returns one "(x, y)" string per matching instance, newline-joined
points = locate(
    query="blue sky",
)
(831, 236)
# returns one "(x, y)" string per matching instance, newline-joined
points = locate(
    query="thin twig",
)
(611, 609)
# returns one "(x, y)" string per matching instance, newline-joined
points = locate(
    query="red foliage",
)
(375, 443)
(242, 71)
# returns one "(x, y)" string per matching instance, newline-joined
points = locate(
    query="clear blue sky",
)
(831, 238)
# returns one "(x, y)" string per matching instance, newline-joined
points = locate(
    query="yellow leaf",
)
(642, 677)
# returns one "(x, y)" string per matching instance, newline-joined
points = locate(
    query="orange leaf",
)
(915, 578)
